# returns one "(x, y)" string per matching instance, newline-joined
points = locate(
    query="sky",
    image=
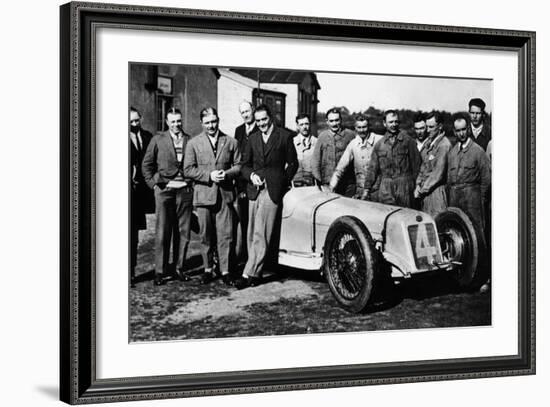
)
(359, 91)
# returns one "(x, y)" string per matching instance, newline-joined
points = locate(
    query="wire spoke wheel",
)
(346, 262)
(349, 262)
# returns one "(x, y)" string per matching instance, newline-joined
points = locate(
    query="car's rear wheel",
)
(462, 244)
(350, 262)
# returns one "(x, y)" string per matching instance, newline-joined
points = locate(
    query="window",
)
(164, 100)
(274, 100)
(163, 104)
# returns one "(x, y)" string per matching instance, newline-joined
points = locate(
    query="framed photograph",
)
(300, 203)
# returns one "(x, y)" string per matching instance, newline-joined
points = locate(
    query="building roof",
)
(274, 76)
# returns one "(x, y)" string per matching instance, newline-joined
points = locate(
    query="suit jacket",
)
(242, 139)
(433, 170)
(160, 163)
(275, 162)
(136, 156)
(142, 200)
(484, 137)
(200, 162)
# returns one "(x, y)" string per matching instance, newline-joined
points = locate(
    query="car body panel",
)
(406, 237)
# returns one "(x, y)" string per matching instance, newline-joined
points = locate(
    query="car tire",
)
(462, 242)
(350, 263)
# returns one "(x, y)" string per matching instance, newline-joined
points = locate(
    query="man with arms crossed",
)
(163, 172)
(212, 161)
(269, 162)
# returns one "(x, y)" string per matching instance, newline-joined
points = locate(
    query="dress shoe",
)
(227, 280)
(484, 288)
(243, 282)
(182, 276)
(158, 281)
(207, 278)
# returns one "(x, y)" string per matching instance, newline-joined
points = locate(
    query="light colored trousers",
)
(262, 214)
(216, 228)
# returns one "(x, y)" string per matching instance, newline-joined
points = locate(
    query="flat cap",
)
(477, 102)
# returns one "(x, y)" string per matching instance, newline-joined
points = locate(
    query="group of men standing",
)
(236, 184)
(230, 182)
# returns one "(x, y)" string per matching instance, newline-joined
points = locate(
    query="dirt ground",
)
(289, 302)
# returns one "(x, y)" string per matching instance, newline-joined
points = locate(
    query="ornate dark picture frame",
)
(79, 383)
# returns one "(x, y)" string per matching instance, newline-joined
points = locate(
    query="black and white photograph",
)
(311, 201)
(268, 202)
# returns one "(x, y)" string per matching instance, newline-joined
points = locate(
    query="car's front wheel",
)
(349, 264)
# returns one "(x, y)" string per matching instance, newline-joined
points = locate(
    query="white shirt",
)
(265, 136)
(248, 128)
(465, 144)
(476, 131)
(178, 144)
(420, 144)
(135, 139)
(214, 140)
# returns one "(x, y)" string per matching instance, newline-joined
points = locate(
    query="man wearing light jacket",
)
(212, 161)
(430, 184)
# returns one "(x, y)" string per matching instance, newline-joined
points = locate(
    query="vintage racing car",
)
(350, 241)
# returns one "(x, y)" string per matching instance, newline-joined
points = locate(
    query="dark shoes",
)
(158, 280)
(132, 282)
(207, 278)
(243, 282)
(227, 280)
(182, 276)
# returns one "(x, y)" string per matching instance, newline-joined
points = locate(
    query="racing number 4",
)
(423, 248)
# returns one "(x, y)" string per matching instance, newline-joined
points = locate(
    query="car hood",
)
(332, 206)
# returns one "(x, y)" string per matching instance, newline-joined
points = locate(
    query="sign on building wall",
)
(164, 84)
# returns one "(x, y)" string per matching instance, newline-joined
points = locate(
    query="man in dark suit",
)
(242, 133)
(163, 172)
(479, 129)
(212, 161)
(270, 163)
(141, 198)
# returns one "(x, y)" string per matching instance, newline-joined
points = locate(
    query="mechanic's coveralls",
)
(469, 179)
(433, 174)
(397, 161)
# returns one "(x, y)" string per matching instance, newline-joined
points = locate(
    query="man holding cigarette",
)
(270, 163)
